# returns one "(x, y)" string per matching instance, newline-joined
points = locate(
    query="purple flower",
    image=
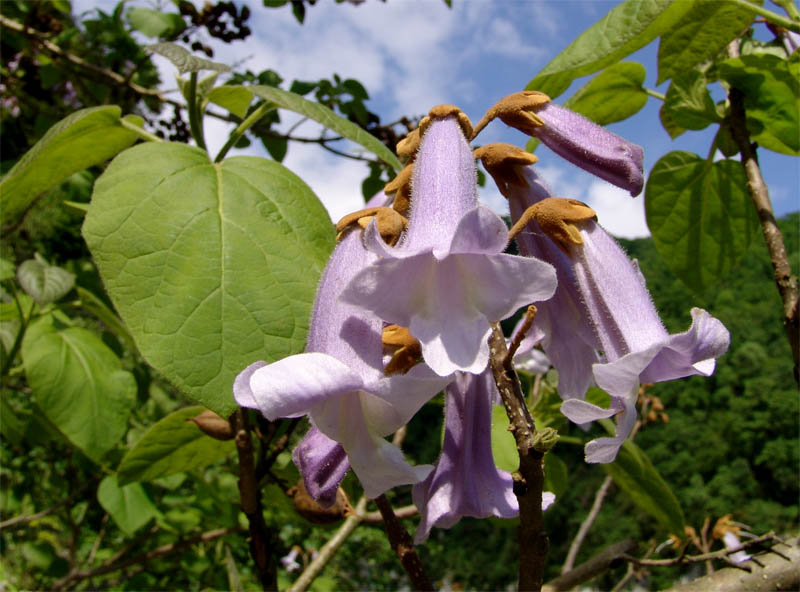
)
(323, 464)
(340, 382)
(573, 137)
(601, 323)
(465, 480)
(448, 278)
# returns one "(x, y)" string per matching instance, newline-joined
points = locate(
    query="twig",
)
(516, 340)
(587, 524)
(529, 479)
(782, 271)
(260, 544)
(404, 512)
(97, 541)
(722, 554)
(595, 566)
(19, 520)
(329, 549)
(144, 557)
(402, 545)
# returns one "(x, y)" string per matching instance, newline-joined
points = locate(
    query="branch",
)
(260, 544)
(329, 549)
(402, 545)
(773, 571)
(376, 517)
(145, 557)
(782, 271)
(529, 479)
(722, 554)
(595, 566)
(586, 524)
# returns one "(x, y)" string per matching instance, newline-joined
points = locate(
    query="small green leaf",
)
(700, 215)
(700, 35)
(235, 99)
(329, 119)
(43, 282)
(79, 384)
(80, 140)
(276, 147)
(613, 95)
(211, 266)
(771, 90)
(154, 23)
(504, 447)
(12, 425)
(7, 269)
(173, 445)
(635, 475)
(129, 506)
(555, 474)
(688, 104)
(204, 87)
(626, 28)
(183, 60)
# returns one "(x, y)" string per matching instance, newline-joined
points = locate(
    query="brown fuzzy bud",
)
(308, 508)
(213, 425)
(517, 110)
(557, 216)
(442, 111)
(503, 162)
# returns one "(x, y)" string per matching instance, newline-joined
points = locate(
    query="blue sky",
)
(414, 54)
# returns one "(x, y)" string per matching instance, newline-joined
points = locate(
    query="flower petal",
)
(323, 464)
(241, 386)
(479, 231)
(291, 386)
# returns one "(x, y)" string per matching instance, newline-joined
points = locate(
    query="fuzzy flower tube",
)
(613, 332)
(340, 384)
(465, 480)
(448, 277)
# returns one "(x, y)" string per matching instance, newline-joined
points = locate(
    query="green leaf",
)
(276, 147)
(771, 99)
(43, 282)
(154, 23)
(635, 475)
(204, 87)
(688, 104)
(173, 445)
(183, 60)
(80, 140)
(12, 424)
(555, 474)
(613, 95)
(98, 308)
(129, 506)
(210, 266)
(78, 383)
(700, 216)
(235, 99)
(7, 269)
(329, 119)
(504, 447)
(626, 28)
(705, 29)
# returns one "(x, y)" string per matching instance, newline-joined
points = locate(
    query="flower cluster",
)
(405, 306)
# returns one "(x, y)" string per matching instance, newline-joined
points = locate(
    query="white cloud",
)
(617, 212)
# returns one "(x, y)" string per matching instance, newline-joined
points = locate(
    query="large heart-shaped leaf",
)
(321, 114)
(78, 141)
(700, 215)
(626, 28)
(212, 266)
(173, 445)
(79, 384)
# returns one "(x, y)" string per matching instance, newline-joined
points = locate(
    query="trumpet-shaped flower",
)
(340, 382)
(448, 278)
(465, 481)
(601, 323)
(573, 137)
